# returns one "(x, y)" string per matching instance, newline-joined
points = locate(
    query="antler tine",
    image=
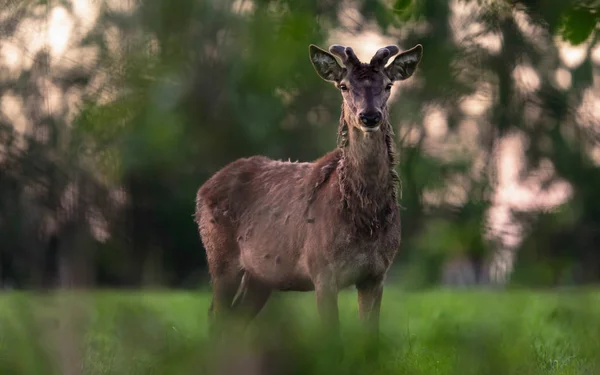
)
(345, 53)
(393, 50)
(352, 59)
(382, 56)
(379, 56)
(339, 51)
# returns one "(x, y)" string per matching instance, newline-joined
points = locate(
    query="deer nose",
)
(370, 119)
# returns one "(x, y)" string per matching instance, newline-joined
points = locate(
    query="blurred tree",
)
(102, 191)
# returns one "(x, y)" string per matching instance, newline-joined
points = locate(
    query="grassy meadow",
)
(437, 332)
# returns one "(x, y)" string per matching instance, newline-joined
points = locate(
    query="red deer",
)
(316, 226)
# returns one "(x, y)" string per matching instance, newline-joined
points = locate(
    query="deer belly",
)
(278, 269)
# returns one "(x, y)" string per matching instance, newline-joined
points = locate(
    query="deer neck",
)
(368, 156)
(368, 180)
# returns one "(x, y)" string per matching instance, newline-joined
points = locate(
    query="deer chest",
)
(359, 260)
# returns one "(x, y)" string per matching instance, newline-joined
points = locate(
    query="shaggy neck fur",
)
(368, 179)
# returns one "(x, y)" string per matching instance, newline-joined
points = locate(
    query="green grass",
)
(440, 332)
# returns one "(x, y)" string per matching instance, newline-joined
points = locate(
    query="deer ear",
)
(405, 64)
(325, 64)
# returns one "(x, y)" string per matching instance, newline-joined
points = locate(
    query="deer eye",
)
(343, 87)
(388, 87)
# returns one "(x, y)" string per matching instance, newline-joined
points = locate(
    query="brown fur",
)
(323, 226)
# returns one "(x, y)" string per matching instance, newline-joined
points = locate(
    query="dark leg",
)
(327, 306)
(223, 259)
(370, 294)
(224, 289)
(252, 298)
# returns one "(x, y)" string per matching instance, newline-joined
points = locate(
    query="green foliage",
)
(193, 86)
(405, 10)
(579, 22)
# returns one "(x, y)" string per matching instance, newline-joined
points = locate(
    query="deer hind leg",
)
(252, 298)
(225, 283)
(223, 258)
(224, 288)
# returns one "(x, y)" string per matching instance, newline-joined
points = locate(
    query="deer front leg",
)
(327, 306)
(370, 294)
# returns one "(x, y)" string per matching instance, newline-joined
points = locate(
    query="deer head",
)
(365, 87)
